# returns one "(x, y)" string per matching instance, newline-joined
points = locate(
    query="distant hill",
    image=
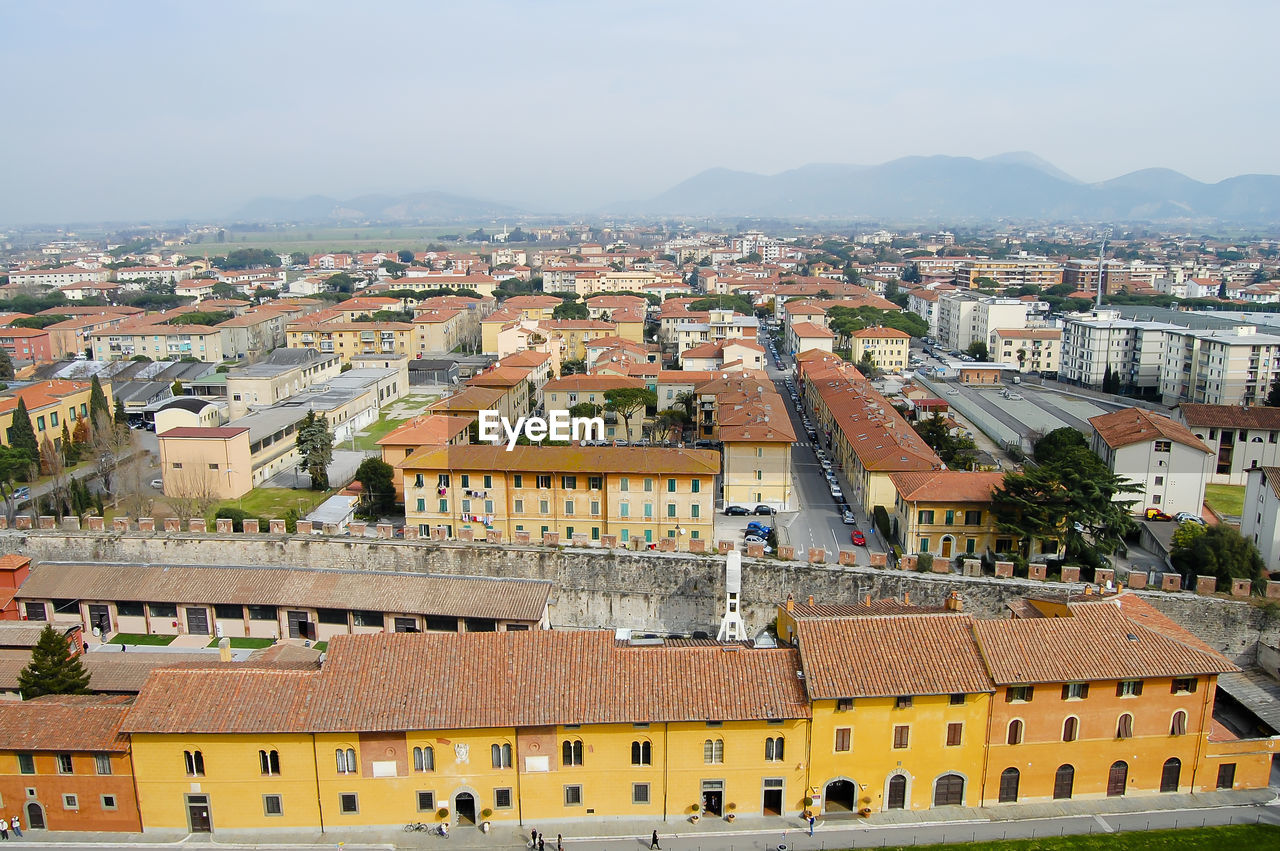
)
(1014, 185)
(414, 207)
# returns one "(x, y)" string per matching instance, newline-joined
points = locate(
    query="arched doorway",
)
(465, 806)
(1009, 779)
(842, 796)
(35, 816)
(949, 791)
(1170, 775)
(1063, 782)
(897, 797)
(1117, 779)
(947, 544)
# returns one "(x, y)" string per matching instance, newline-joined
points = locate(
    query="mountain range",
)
(1017, 185)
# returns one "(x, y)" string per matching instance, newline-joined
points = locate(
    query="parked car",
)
(753, 539)
(1157, 514)
(759, 529)
(836, 492)
(953, 392)
(23, 494)
(158, 484)
(736, 511)
(858, 539)
(849, 519)
(763, 509)
(1188, 517)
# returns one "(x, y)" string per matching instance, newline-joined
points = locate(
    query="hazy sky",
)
(129, 109)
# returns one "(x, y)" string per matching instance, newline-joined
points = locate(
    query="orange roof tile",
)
(1130, 426)
(946, 485)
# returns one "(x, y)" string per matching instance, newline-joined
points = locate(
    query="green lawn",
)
(317, 240)
(1197, 839)
(320, 646)
(139, 638)
(242, 643)
(368, 439)
(268, 503)
(1225, 499)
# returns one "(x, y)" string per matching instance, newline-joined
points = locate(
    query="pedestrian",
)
(533, 838)
(542, 843)
(559, 842)
(654, 842)
(4, 828)
(17, 828)
(811, 824)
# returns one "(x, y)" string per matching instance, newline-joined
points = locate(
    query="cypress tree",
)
(21, 435)
(97, 401)
(52, 670)
(121, 417)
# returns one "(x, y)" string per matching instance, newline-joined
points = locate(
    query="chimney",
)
(954, 603)
(906, 598)
(867, 602)
(810, 599)
(791, 603)
(224, 649)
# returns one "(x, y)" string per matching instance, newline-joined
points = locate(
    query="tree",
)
(570, 308)
(911, 274)
(377, 481)
(191, 493)
(6, 366)
(51, 465)
(1110, 381)
(22, 436)
(70, 451)
(626, 401)
(97, 401)
(978, 350)
(670, 424)
(958, 452)
(133, 493)
(1185, 535)
(1273, 396)
(584, 409)
(1055, 446)
(299, 258)
(1220, 551)
(405, 256)
(1222, 290)
(120, 417)
(109, 444)
(315, 445)
(15, 466)
(53, 669)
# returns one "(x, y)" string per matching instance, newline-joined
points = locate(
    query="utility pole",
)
(1102, 254)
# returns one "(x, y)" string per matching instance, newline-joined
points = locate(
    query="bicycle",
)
(416, 827)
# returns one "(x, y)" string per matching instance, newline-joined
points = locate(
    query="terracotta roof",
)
(583, 383)
(879, 656)
(946, 485)
(887, 606)
(41, 394)
(468, 399)
(499, 376)
(82, 722)
(523, 302)
(376, 590)
(1230, 416)
(13, 561)
(204, 432)
(567, 459)
(880, 332)
(1100, 641)
(428, 682)
(426, 430)
(811, 329)
(223, 698)
(126, 673)
(1129, 426)
(1029, 333)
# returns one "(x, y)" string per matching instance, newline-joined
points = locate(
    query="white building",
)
(924, 303)
(964, 318)
(1241, 438)
(1134, 350)
(1260, 520)
(1160, 456)
(1029, 349)
(1229, 367)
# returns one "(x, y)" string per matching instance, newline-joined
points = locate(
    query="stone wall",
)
(649, 592)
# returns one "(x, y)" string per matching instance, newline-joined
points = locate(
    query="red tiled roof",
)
(1230, 416)
(209, 432)
(64, 722)
(946, 485)
(1129, 426)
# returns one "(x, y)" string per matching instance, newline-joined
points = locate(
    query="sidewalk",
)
(896, 827)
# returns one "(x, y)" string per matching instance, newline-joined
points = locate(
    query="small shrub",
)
(924, 562)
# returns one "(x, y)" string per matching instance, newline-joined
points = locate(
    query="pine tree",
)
(97, 401)
(121, 418)
(6, 366)
(53, 670)
(21, 435)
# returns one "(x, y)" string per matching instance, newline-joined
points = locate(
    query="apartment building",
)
(1029, 349)
(964, 318)
(26, 344)
(284, 373)
(924, 303)
(1241, 439)
(1260, 517)
(1167, 462)
(947, 513)
(1135, 351)
(439, 330)
(752, 423)
(1232, 367)
(347, 339)
(731, 355)
(809, 337)
(158, 342)
(50, 405)
(719, 325)
(639, 494)
(1023, 271)
(1083, 275)
(887, 348)
(59, 277)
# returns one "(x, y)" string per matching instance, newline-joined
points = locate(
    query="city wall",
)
(649, 592)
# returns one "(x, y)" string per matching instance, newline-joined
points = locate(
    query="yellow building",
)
(946, 513)
(347, 339)
(158, 342)
(1029, 349)
(50, 404)
(641, 495)
(887, 348)
(751, 421)
(438, 330)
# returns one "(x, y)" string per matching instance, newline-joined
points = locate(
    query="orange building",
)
(14, 570)
(65, 765)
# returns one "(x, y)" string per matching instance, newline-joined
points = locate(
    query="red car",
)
(859, 539)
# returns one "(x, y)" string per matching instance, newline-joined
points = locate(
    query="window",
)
(488, 482)
(502, 799)
(1014, 736)
(129, 609)
(955, 732)
(573, 796)
(443, 506)
(346, 758)
(949, 791)
(924, 517)
(1129, 688)
(639, 793)
(671, 485)
(1124, 726)
(1075, 691)
(1184, 685)
(568, 507)
(108, 802)
(696, 485)
(442, 480)
(424, 759)
(269, 762)
(544, 508)
(569, 482)
(65, 765)
(641, 753)
(1178, 726)
(517, 481)
(272, 805)
(348, 803)
(70, 802)
(26, 764)
(35, 612)
(102, 763)
(903, 702)
(957, 700)
(773, 749)
(1019, 694)
(544, 481)
(1071, 729)
(1170, 775)
(671, 509)
(195, 763)
(258, 613)
(500, 755)
(901, 736)
(426, 802)
(361, 617)
(844, 704)
(1227, 775)
(571, 752)
(163, 610)
(842, 738)
(695, 511)
(1162, 446)
(595, 482)
(713, 751)
(1009, 785)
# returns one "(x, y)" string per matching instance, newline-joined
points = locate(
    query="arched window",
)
(1170, 775)
(949, 791)
(195, 763)
(1178, 727)
(641, 753)
(1071, 729)
(1117, 779)
(1009, 785)
(1015, 732)
(501, 755)
(269, 762)
(773, 749)
(424, 759)
(1124, 727)
(1063, 780)
(346, 758)
(713, 751)
(571, 752)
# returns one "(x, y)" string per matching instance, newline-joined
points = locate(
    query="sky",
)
(160, 110)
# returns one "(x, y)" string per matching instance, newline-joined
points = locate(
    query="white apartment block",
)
(964, 318)
(1260, 520)
(1241, 438)
(1028, 349)
(1134, 350)
(1159, 455)
(924, 303)
(1231, 367)
(57, 277)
